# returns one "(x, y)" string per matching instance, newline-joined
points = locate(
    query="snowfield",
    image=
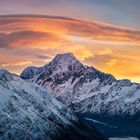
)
(28, 112)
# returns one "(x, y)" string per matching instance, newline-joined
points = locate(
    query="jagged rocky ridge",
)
(85, 89)
(28, 112)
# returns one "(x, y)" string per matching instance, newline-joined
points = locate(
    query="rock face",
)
(28, 112)
(86, 89)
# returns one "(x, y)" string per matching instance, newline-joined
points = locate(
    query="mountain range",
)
(85, 89)
(112, 105)
(65, 99)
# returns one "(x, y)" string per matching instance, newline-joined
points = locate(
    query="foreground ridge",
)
(27, 111)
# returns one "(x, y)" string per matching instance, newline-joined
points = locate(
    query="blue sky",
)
(122, 12)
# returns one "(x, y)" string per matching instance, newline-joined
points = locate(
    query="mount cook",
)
(85, 89)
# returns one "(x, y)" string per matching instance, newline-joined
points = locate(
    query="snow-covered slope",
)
(86, 89)
(27, 111)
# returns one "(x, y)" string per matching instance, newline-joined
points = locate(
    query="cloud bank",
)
(34, 40)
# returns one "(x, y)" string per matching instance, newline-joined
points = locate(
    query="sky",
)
(104, 34)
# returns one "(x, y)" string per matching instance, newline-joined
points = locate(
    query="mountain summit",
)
(67, 57)
(64, 62)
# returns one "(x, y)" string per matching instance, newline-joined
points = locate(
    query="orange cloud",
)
(35, 40)
(112, 62)
(17, 64)
(27, 39)
(61, 25)
(105, 51)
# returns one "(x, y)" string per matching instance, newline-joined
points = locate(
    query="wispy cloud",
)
(26, 39)
(91, 29)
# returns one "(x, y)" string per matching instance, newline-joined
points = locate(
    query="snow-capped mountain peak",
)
(67, 57)
(86, 89)
(64, 63)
